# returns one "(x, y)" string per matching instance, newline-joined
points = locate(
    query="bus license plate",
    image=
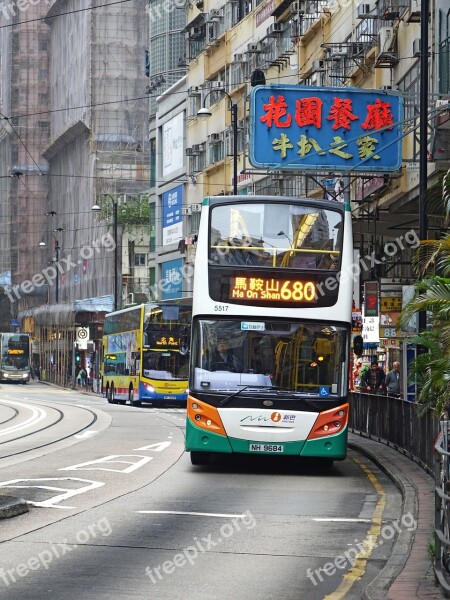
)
(266, 448)
(170, 398)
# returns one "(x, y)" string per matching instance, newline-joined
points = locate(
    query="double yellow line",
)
(358, 569)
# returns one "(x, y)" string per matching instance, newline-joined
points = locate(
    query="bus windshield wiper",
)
(246, 387)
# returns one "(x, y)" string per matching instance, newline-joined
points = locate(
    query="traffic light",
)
(358, 345)
(77, 356)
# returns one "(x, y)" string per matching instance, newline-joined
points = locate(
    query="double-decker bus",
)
(145, 353)
(15, 357)
(273, 296)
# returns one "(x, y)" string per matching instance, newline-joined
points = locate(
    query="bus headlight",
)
(149, 388)
(5, 375)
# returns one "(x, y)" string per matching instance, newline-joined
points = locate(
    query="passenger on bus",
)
(224, 358)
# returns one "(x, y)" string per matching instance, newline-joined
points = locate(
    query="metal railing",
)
(426, 440)
(396, 423)
(442, 507)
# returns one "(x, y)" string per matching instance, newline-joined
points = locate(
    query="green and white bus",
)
(273, 289)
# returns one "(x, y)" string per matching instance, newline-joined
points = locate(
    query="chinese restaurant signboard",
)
(302, 127)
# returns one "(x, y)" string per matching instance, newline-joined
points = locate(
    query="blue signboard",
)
(342, 129)
(172, 220)
(172, 279)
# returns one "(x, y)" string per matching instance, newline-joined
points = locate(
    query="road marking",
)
(159, 447)
(38, 414)
(192, 514)
(112, 459)
(85, 434)
(360, 561)
(343, 520)
(50, 503)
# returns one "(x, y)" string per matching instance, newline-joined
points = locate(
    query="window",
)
(153, 162)
(444, 52)
(139, 260)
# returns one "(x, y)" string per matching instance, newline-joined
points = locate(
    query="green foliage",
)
(431, 368)
(136, 211)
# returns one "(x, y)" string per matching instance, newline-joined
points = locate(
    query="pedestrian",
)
(91, 378)
(83, 375)
(373, 379)
(393, 382)
(357, 374)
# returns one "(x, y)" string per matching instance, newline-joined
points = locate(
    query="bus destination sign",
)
(260, 289)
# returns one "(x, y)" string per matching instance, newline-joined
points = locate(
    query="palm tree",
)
(431, 368)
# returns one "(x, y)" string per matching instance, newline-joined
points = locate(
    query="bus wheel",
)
(111, 395)
(108, 394)
(199, 458)
(326, 464)
(131, 396)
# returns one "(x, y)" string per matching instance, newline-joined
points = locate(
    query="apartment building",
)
(323, 43)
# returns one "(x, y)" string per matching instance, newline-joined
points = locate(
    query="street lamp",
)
(57, 248)
(97, 208)
(205, 113)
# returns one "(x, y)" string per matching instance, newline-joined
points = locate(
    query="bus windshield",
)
(163, 365)
(299, 357)
(275, 235)
(15, 352)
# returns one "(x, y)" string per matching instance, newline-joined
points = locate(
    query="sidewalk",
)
(409, 571)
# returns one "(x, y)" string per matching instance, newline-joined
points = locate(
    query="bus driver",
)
(224, 359)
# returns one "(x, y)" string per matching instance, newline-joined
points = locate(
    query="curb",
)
(378, 588)
(10, 506)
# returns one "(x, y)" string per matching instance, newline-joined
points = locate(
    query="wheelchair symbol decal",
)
(324, 391)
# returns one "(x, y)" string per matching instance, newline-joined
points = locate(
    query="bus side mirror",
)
(358, 345)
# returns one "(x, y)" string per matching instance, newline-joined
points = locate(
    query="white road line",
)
(340, 520)
(193, 514)
(38, 414)
(85, 434)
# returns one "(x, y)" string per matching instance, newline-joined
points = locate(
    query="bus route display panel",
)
(273, 289)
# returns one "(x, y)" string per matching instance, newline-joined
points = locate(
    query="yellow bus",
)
(145, 354)
(15, 357)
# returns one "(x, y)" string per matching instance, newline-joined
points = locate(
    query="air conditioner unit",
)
(241, 123)
(215, 13)
(215, 138)
(216, 85)
(191, 152)
(196, 207)
(194, 91)
(298, 8)
(366, 11)
(318, 66)
(195, 33)
(254, 48)
(197, 148)
(386, 39)
(238, 58)
(416, 47)
(338, 52)
(186, 210)
(275, 30)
